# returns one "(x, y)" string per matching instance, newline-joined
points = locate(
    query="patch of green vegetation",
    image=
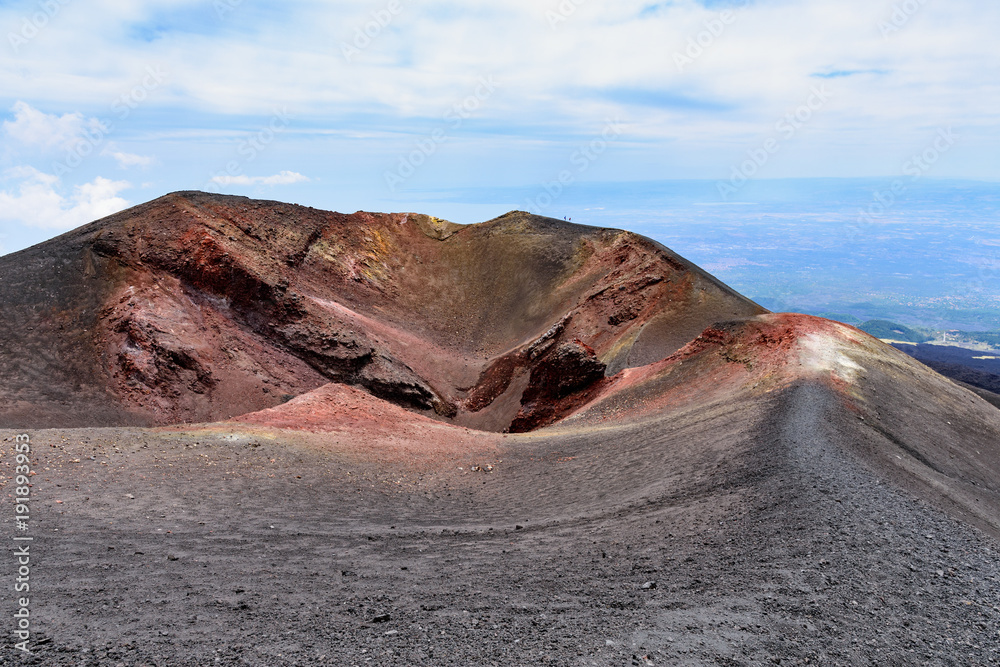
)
(991, 338)
(894, 331)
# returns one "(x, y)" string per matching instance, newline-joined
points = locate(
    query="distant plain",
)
(828, 247)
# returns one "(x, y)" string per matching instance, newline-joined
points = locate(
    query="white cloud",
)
(242, 62)
(281, 178)
(556, 81)
(36, 129)
(127, 160)
(37, 201)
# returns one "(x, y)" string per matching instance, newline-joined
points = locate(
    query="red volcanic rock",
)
(566, 371)
(198, 307)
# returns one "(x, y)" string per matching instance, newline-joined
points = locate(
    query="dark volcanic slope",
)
(979, 369)
(196, 307)
(688, 480)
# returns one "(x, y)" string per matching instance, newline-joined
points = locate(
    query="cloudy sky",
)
(365, 104)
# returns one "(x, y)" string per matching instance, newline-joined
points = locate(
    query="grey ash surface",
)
(779, 547)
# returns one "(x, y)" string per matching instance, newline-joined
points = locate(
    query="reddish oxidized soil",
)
(762, 354)
(351, 421)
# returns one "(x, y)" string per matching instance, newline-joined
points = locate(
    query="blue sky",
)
(366, 104)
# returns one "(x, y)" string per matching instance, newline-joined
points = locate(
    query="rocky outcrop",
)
(560, 382)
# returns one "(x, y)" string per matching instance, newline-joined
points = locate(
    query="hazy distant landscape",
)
(931, 260)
